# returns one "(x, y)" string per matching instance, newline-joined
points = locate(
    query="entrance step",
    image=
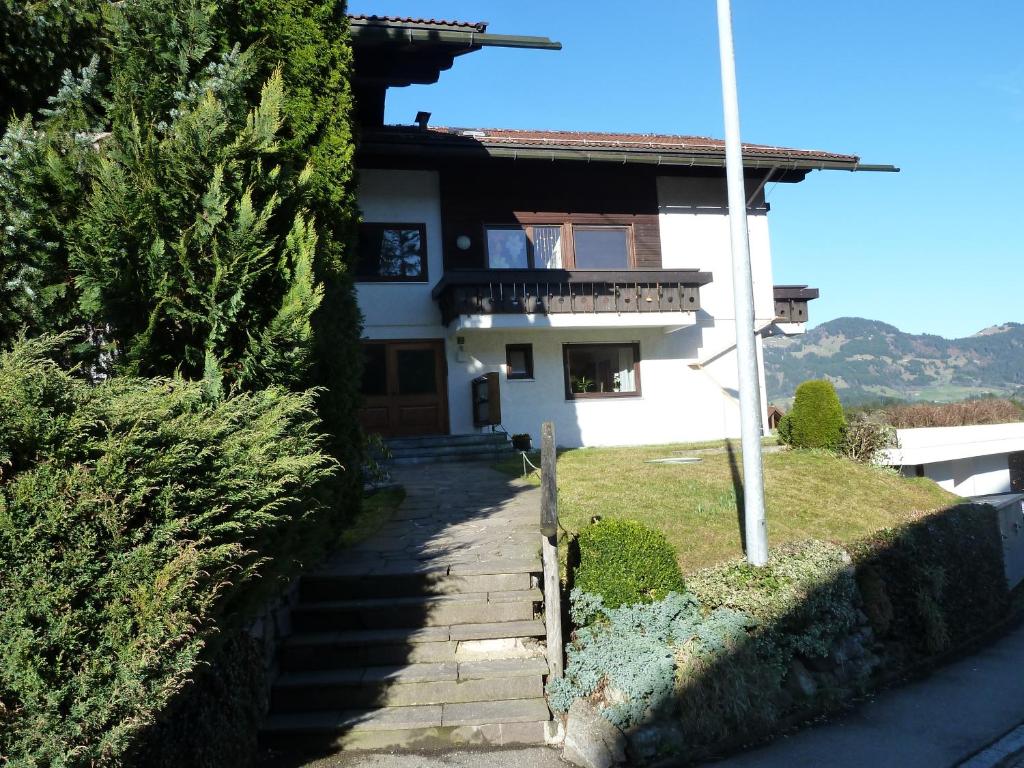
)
(478, 642)
(488, 446)
(410, 685)
(326, 586)
(430, 611)
(498, 723)
(428, 634)
(474, 438)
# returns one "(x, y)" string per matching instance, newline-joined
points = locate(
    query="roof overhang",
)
(392, 52)
(783, 165)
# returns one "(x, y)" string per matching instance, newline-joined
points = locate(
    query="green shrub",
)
(935, 582)
(816, 419)
(143, 523)
(864, 439)
(625, 562)
(628, 654)
(806, 594)
(718, 660)
(785, 430)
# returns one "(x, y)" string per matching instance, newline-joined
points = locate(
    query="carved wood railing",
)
(554, 291)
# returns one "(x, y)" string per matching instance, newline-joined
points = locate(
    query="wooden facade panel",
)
(541, 193)
(647, 241)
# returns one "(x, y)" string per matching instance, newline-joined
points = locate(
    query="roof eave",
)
(464, 38)
(779, 162)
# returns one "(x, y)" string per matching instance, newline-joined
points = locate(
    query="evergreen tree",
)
(183, 246)
(39, 41)
(43, 169)
(153, 172)
(308, 40)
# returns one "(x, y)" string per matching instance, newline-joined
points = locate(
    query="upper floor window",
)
(544, 246)
(392, 252)
(601, 247)
(534, 246)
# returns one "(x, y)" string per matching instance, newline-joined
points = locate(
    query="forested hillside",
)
(870, 360)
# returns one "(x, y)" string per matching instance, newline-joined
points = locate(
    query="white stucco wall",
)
(688, 375)
(974, 476)
(968, 461)
(394, 310)
(676, 404)
(694, 221)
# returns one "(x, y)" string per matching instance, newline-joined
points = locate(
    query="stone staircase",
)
(427, 635)
(431, 449)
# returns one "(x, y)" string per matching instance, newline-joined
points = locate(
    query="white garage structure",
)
(968, 461)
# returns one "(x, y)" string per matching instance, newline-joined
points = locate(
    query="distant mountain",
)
(868, 360)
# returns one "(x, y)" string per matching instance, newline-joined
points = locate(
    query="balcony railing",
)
(557, 291)
(791, 302)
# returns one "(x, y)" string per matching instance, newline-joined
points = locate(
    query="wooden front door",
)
(404, 388)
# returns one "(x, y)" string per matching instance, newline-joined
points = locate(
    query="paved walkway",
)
(508, 757)
(937, 722)
(454, 516)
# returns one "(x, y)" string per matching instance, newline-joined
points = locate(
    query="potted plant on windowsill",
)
(522, 442)
(581, 385)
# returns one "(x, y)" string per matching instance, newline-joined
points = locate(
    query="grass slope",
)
(809, 495)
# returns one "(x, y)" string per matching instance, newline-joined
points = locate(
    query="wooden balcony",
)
(791, 302)
(566, 292)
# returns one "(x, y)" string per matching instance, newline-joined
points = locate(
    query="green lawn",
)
(809, 495)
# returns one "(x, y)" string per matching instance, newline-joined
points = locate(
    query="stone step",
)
(335, 650)
(402, 612)
(450, 450)
(498, 723)
(429, 457)
(327, 586)
(476, 438)
(410, 685)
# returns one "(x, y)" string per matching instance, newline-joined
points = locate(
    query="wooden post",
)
(549, 550)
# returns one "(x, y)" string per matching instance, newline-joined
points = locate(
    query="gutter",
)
(619, 156)
(470, 38)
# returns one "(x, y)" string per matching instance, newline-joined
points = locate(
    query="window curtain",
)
(547, 247)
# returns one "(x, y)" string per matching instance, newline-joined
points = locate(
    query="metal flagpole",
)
(743, 291)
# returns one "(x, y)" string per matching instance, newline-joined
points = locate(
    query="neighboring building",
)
(968, 461)
(578, 277)
(775, 415)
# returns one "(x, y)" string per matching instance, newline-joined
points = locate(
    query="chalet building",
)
(508, 277)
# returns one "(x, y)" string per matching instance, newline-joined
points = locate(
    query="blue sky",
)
(935, 88)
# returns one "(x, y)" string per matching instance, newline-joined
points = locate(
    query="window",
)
(519, 361)
(533, 246)
(601, 247)
(507, 248)
(547, 246)
(601, 370)
(392, 252)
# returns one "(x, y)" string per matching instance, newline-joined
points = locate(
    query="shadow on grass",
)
(737, 486)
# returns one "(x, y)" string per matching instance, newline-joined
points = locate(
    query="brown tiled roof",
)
(645, 148)
(651, 142)
(478, 26)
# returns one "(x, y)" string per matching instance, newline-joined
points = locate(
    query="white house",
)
(511, 277)
(968, 461)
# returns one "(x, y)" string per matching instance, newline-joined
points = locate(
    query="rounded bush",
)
(816, 420)
(625, 562)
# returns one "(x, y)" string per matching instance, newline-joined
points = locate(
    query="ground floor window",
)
(601, 370)
(519, 361)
